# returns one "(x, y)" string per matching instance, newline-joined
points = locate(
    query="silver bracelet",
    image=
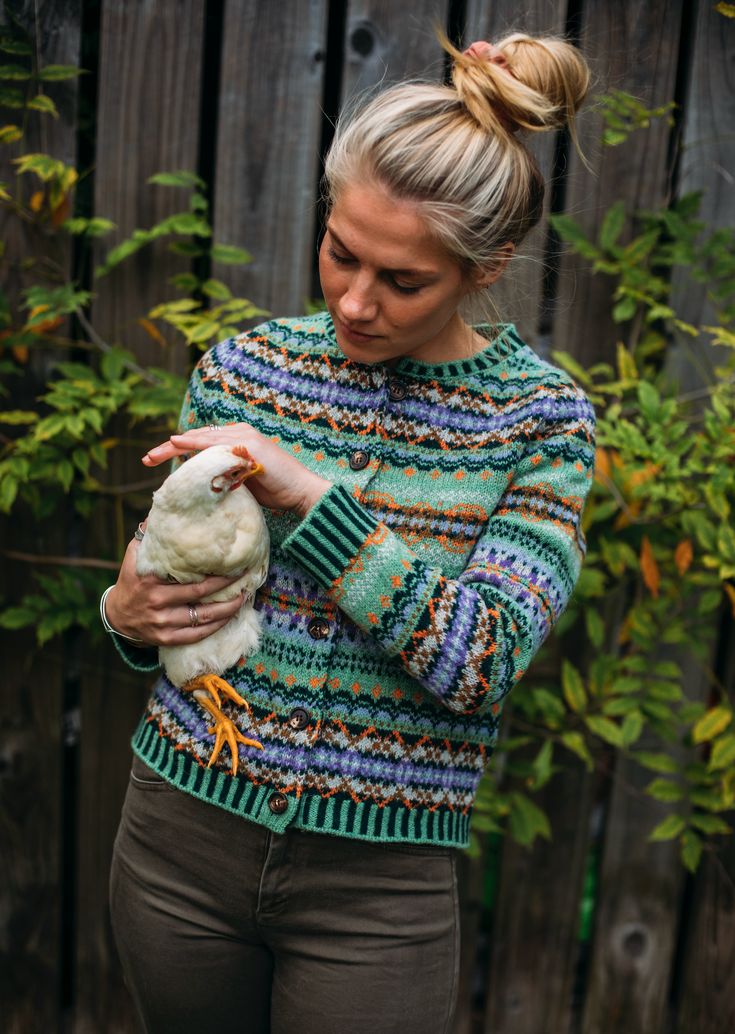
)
(108, 627)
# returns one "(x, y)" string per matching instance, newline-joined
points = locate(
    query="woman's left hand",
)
(285, 483)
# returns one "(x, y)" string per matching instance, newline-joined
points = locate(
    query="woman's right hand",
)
(158, 614)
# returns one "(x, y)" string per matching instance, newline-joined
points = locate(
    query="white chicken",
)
(199, 524)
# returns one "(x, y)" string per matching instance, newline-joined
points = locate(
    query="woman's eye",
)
(342, 260)
(405, 288)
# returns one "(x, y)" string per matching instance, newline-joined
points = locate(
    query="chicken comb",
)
(242, 452)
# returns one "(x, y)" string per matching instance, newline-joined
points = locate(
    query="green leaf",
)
(230, 255)
(664, 790)
(656, 762)
(691, 851)
(12, 45)
(624, 310)
(18, 416)
(181, 178)
(204, 331)
(631, 728)
(709, 823)
(671, 827)
(17, 617)
(573, 687)
(527, 820)
(607, 730)
(55, 73)
(612, 225)
(595, 626)
(9, 134)
(723, 753)
(217, 290)
(575, 742)
(43, 103)
(711, 724)
(541, 765)
(17, 72)
(11, 97)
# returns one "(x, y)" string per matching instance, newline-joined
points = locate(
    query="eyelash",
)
(342, 260)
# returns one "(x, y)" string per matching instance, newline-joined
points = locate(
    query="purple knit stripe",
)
(299, 759)
(456, 643)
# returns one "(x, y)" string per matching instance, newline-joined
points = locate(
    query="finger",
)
(187, 636)
(192, 592)
(206, 613)
(166, 451)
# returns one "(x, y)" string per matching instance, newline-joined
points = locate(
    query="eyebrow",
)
(425, 274)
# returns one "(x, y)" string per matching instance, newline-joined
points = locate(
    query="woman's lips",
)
(355, 336)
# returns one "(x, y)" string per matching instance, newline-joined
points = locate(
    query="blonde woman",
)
(424, 483)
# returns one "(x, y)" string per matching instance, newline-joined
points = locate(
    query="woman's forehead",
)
(385, 231)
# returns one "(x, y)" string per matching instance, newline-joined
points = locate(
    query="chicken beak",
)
(236, 476)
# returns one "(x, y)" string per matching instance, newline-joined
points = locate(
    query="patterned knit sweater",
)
(399, 613)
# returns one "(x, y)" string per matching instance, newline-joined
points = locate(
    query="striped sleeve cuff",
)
(139, 658)
(330, 535)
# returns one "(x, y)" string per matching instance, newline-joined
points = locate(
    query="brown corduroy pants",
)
(222, 925)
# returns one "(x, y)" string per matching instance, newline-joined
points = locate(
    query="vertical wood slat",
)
(628, 50)
(31, 693)
(268, 148)
(147, 121)
(705, 988)
(518, 294)
(387, 42)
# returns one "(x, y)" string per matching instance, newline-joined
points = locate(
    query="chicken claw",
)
(206, 690)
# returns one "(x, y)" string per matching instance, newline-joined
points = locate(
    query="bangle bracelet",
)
(108, 627)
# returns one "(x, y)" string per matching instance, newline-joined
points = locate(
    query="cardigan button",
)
(318, 628)
(278, 803)
(397, 391)
(359, 459)
(299, 718)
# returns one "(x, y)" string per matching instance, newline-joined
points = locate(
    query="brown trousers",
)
(222, 925)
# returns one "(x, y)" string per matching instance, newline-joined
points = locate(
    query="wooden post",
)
(147, 121)
(268, 148)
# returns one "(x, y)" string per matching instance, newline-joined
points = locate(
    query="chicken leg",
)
(206, 690)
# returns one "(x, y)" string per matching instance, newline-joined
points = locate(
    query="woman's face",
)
(391, 289)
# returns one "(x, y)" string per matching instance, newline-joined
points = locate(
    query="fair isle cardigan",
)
(401, 611)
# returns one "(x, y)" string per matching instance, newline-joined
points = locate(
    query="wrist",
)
(109, 621)
(311, 496)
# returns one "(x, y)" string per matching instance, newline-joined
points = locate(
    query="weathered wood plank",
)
(386, 42)
(268, 148)
(637, 912)
(147, 121)
(31, 695)
(633, 48)
(518, 294)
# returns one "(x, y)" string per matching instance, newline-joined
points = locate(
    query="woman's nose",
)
(358, 301)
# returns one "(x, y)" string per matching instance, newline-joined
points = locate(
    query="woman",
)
(424, 481)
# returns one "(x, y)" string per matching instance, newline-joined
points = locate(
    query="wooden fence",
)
(243, 91)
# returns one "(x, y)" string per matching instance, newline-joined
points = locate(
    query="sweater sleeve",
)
(468, 639)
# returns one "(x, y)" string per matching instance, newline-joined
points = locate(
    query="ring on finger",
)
(211, 427)
(193, 615)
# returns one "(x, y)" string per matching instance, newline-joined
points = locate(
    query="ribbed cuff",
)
(330, 535)
(139, 658)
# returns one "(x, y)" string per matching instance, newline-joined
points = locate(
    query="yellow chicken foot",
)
(224, 728)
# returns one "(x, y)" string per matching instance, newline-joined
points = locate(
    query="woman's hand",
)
(158, 614)
(285, 484)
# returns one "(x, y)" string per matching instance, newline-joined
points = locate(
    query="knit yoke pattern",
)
(401, 611)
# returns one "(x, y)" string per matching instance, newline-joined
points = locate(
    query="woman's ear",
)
(484, 277)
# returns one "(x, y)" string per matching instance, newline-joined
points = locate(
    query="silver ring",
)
(193, 616)
(211, 427)
(139, 532)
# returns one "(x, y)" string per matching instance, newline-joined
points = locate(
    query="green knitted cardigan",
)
(399, 613)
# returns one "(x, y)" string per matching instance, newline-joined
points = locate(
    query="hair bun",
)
(523, 82)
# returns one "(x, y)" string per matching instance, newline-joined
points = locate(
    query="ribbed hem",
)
(330, 535)
(339, 815)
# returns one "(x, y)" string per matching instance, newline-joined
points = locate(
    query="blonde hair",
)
(454, 150)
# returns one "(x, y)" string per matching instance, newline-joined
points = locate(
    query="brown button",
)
(299, 718)
(318, 628)
(359, 460)
(278, 803)
(397, 391)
